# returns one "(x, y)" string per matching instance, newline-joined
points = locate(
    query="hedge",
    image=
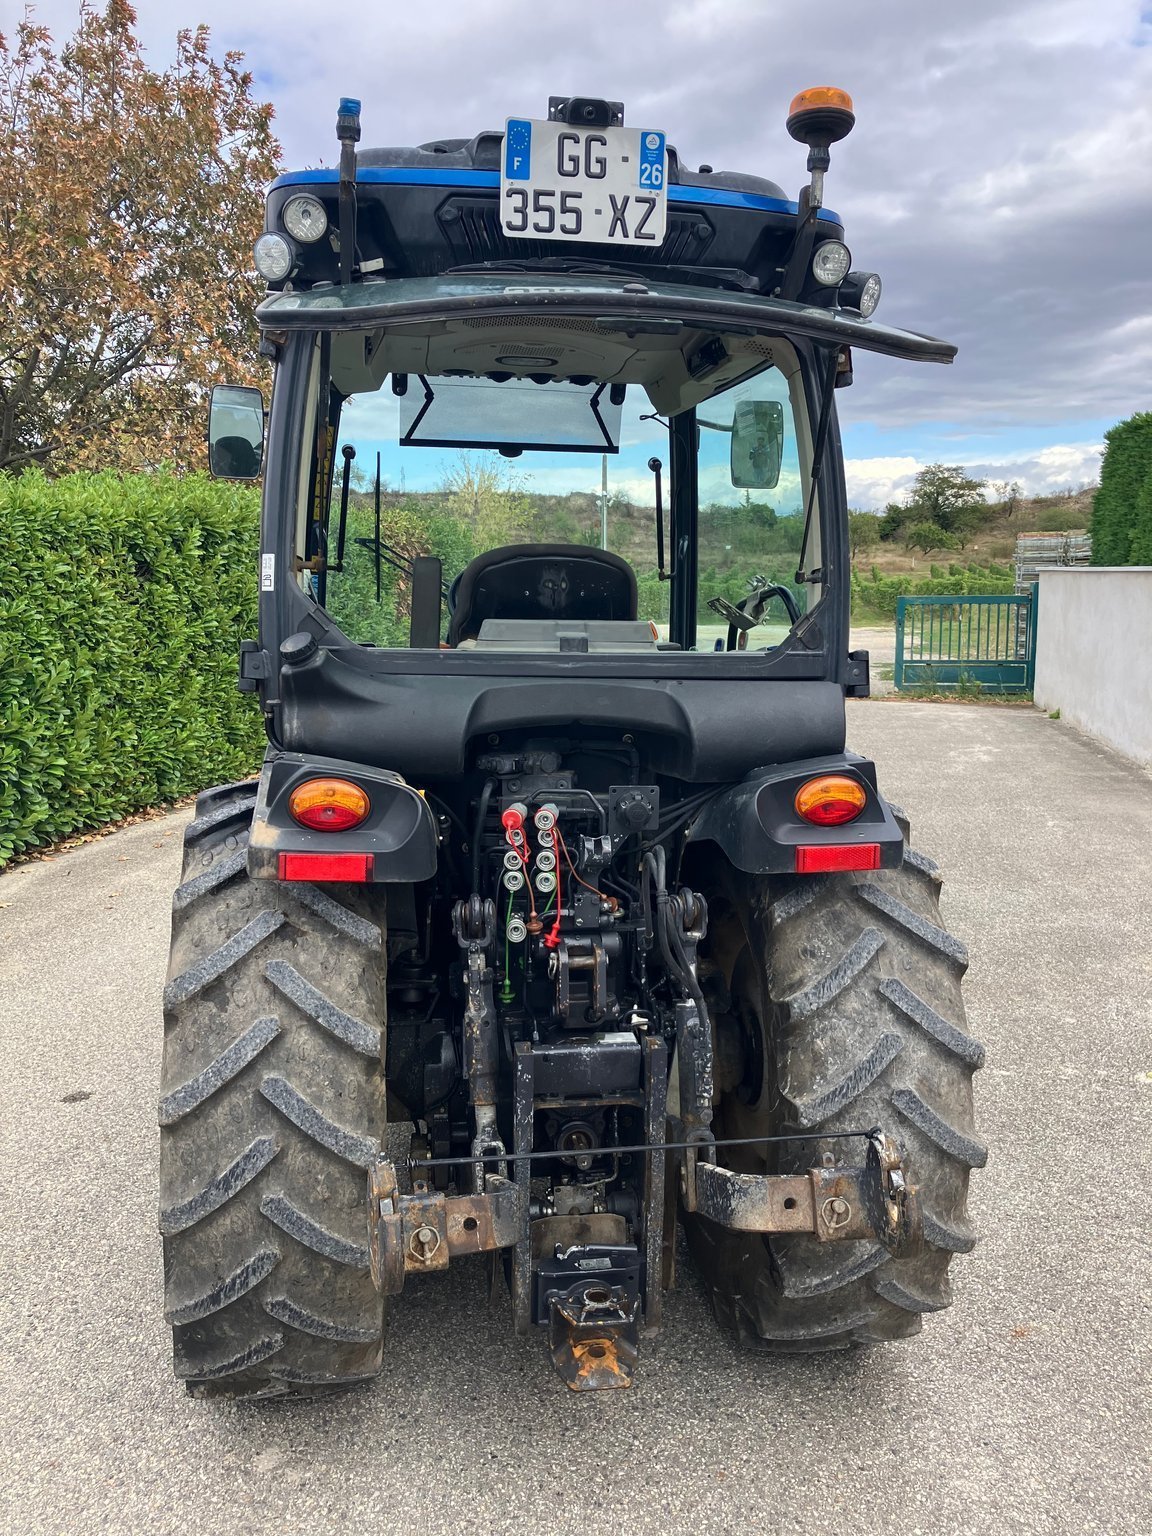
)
(879, 595)
(1121, 522)
(122, 602)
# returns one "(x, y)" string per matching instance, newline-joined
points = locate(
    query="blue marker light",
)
(349, 107)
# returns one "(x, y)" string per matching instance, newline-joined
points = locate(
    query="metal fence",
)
(950, 642)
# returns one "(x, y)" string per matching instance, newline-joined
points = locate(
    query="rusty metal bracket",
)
(423, 1231)
(832, 1204)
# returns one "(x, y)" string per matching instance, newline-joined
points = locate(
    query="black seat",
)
(540, 581)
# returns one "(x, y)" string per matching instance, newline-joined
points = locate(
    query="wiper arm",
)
(803, 575)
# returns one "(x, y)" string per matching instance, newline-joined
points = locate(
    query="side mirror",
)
(235, 432)
(757, 444)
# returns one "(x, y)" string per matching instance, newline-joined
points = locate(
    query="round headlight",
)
(274, 257)
(869, 296)
(304, 219)
(831, 262)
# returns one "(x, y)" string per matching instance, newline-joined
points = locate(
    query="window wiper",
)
(803, 576)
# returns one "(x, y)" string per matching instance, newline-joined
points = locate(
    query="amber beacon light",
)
(329, 805)
(831, 800)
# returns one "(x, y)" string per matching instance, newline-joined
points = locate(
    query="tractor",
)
(559, 918)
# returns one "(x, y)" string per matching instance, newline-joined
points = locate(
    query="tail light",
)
(830, 800)
(329, 805)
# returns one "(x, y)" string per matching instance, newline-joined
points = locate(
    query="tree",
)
(131, 200)
(929, 536)
(942, 492)
(894, 520)
(485, 493)
(1124, 474)
(1009, 495)
(863, 532)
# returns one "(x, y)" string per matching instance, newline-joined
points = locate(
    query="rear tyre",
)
(272, 1109)
(838, 1007)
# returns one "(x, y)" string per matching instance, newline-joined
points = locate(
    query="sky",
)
(999, 177)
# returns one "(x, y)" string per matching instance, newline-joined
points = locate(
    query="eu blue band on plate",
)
(651, 172)
(517, 149)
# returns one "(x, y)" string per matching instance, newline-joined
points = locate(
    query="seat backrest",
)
(540, 581)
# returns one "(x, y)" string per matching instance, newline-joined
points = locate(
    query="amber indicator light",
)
(830, 800)
(329, 805)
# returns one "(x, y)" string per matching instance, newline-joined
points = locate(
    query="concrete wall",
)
(1094, 652)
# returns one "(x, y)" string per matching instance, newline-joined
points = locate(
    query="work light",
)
(860, 291)
(304, 218)
(274, 257)
(831, 262)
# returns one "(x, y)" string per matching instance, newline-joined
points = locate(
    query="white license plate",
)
(605, 185)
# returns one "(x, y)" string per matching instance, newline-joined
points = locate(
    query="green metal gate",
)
(943, 642)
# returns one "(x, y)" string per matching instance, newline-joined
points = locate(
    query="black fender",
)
(756, 825)
(399, 831)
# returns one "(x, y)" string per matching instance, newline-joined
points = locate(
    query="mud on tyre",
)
(839, 1008)
(272, 1108)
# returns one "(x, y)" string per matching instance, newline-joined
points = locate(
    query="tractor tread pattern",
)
(290, 1219)
(219, 813)
(230, 1181)
(965, 1149)
(213, 965)
(362, 1037)
(807, 1001)
(866, 1028)
(210, 880)
(817, 1108)
(231, 1061)
(259, 1350)
(285, 1310)
(928, 933)
(273, 1106)
(314, 1123)
(935, 1024)
(359, 929)
(226, 1291)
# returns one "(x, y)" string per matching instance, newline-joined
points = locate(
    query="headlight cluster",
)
(305, 220)
(858, 290)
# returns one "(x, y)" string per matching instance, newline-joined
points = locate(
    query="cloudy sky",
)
(999, 177)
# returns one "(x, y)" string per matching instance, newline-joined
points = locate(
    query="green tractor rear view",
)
(559, 913)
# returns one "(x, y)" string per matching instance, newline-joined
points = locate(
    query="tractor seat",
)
(540, 582)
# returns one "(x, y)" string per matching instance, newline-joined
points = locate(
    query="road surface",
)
(1024, 1409)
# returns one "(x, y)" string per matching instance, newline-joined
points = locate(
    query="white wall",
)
(1094, 652)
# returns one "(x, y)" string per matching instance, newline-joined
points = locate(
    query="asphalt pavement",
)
(1025, 1408)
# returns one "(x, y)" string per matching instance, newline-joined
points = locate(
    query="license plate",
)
(602, 185)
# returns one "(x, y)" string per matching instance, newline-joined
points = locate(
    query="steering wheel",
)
(749, 612)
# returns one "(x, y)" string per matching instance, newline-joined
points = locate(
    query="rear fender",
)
(399, 832)
(756, 826)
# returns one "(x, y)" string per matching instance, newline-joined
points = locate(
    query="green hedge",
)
(1121, 522)
(879, 595)
(122, 602)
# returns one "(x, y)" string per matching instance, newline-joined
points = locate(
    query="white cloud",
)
(872, 483)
